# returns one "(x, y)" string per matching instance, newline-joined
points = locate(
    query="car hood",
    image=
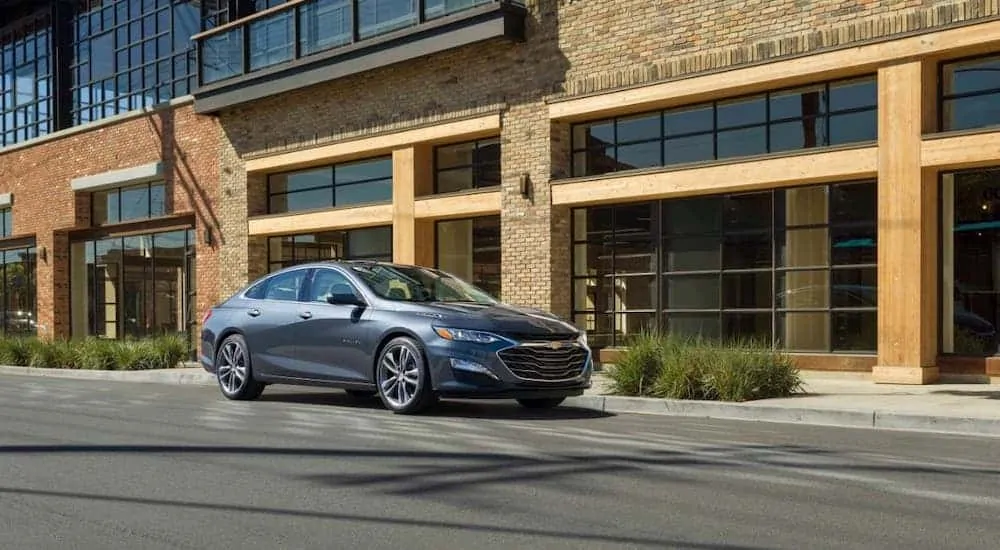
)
(503, 319)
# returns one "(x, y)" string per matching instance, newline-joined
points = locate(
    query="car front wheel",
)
(233, 370)
(401, 373)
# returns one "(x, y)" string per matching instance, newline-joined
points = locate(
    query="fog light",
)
(472, 366)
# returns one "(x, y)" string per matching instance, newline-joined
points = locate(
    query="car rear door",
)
(270, 321)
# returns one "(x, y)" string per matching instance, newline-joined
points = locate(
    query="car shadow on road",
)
(469, 409)
(994, 395)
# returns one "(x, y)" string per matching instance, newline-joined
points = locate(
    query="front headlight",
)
(466, 335)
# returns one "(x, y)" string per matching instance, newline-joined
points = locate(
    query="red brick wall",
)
(39, 177)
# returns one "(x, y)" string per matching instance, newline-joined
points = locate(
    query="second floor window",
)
(349, 183)
(468, 165)
(123, 204)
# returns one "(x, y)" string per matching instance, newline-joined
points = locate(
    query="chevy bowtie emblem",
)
(555, 345)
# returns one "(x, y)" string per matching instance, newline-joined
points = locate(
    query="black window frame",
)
(478, 163)
(659, 235)
(825, 114)
(333, 186)
(28, 251)
(6, 221)
(274, 265)
(19, 48)
(150, 66)
(943, 98)
(149, 186)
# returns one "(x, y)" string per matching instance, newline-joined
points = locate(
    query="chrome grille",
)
(544, 362)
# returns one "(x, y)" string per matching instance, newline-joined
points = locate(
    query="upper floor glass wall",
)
(970, 93)
(130, 54)
(25, 82)
(345, 184)
(831, 113)
(308, 28)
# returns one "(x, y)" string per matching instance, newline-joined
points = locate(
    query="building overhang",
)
(499, 20)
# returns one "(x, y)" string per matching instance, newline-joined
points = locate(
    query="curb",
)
(180, 376)
(754, 412)
(760, 412)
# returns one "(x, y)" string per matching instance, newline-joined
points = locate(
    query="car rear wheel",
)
(234, 372)
(541, 403)
(401, 373)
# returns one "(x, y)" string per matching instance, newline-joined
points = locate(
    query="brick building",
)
(821, 175)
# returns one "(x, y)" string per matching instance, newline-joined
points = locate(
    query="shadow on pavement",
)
(995, 395)
(458, 408)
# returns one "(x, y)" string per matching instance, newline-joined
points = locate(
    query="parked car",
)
(408, 334)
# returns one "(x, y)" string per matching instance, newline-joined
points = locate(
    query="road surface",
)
(124, 465)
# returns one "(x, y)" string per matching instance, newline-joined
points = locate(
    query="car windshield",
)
(418, 284)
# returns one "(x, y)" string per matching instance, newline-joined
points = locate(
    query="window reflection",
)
(794, 267)
(468, 165)
(25, 77)
(470, 249)
(970, 93)
(19, 314)
(122, 204)
(136, 286)
(971, 262)
(820, 115)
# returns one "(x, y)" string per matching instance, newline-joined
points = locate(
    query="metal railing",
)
(301, 28)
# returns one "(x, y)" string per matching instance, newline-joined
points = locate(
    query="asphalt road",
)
(125, 465)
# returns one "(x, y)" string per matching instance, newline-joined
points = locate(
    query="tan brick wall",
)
(45, 206)
(573, 47)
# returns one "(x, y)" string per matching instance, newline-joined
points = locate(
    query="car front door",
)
(335, 339)
(271, 322)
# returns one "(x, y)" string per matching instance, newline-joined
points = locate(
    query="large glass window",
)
(18, 294)
(129, 54)
(468, 165)
(832, 113)
(360, 182)
(372, 243)
(470, 249)
(970, 260)
(134, 286)
(795, 267)
(970, 93)
(25, 82)
(122, 204)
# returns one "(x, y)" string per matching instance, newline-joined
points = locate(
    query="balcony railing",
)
(301, 28)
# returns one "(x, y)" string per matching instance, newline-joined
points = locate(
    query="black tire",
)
(233, 351)
(406, 352)
(361, 394)
(541, 402)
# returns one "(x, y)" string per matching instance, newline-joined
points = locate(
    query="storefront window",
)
(470, 249)
(17, 268)
(465, 166)
(134, 286)
(372, 243)
(793, 267)
(970, 249)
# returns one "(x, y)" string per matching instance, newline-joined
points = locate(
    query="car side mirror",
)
(344, 300)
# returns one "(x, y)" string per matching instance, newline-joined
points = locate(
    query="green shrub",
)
(637, 369)
(677, 367)
(95, 353)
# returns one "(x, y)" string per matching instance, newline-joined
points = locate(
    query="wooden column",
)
(907, 229)
(412, 239)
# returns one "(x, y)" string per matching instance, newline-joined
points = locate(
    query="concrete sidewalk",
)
(831, 399)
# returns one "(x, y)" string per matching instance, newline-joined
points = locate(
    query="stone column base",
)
(905, 375)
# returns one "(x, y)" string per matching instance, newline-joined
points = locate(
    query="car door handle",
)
(253, 312)
(305, 314)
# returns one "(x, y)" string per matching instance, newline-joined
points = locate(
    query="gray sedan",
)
(407, 334)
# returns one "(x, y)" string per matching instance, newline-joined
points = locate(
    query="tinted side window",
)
(327, 282)
(285, 286)
(257, 291)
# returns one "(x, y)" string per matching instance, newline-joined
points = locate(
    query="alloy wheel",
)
(399, 376)
(232, 369)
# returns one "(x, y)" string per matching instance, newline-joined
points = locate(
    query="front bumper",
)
(467, 370)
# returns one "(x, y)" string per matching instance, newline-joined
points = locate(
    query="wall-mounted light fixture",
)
(525, 185)
(43, 253)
